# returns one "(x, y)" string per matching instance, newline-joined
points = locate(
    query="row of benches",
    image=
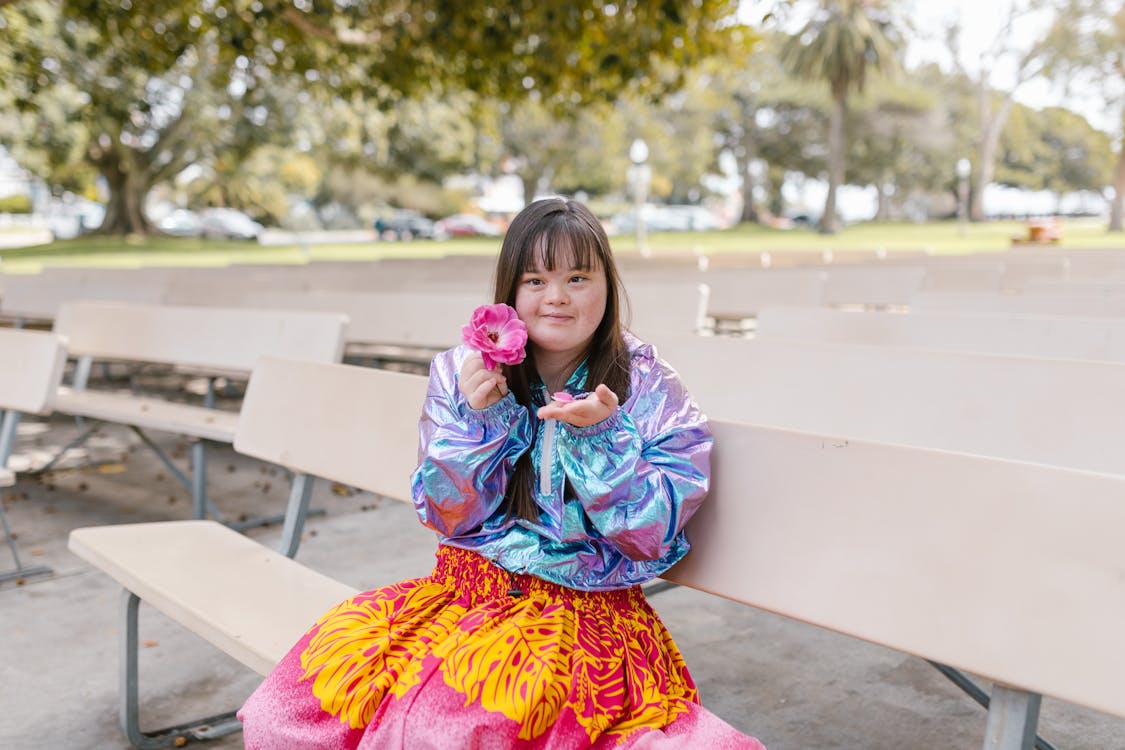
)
(663, 291)
(763, 411)
(986, 564)
(840, 531)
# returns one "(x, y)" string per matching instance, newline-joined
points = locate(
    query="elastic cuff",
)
(612, 422)
(499, 414)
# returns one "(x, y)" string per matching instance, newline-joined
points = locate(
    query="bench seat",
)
(149, 413)
(248, 600)
(7, 478)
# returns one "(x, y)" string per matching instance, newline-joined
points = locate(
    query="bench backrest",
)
(871, 285)
(355, 425)
(985, 564)
(741, 293)
(408, 318)
(1008, 570)
(1018, 304)
(1054, 411)
(666, 306)
(207, 338)
(1068, 337)
(31, 366)
(41, 297)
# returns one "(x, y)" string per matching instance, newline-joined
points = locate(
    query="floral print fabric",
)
(473, 656)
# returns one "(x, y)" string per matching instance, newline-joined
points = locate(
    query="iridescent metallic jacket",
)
(637, 477)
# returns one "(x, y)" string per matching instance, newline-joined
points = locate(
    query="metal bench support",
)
(1012, 718)
(209, 728)
(7, 441)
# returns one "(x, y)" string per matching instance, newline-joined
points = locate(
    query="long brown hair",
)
(556, 231)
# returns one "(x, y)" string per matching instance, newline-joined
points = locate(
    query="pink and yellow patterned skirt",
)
(454, 661)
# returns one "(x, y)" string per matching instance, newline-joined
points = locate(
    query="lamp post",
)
(640, 175)
(964, 169)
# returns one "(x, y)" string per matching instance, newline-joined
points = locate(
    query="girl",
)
(532, 631)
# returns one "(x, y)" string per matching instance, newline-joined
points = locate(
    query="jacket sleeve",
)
(466, 456)
(644, 471)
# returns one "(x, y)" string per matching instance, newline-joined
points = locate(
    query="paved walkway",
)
(794, 686)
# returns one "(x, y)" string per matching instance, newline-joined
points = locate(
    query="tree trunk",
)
(1117, 206)
(128, 188)
(744, 156)
(828, 221)
(883, 208)
(991, 126)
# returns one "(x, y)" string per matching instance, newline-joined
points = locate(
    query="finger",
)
(550, 411)
(606, 395)
(482, 393)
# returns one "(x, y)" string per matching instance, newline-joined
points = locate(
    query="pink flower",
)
(497, 334)
(562, 397)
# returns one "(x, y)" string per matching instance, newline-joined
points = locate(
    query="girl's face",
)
(561, 308)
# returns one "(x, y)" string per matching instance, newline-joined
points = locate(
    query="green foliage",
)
(1053, 149)
(842, 40)
(15, 204)
(157, 85)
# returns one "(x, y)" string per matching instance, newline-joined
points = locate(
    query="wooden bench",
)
(1052, 336)
(31, 367)
(387, 326)
(39, 297)
(1020, 304)
(208, 341)
(250, 601)
(863, 538)
(1051, 411)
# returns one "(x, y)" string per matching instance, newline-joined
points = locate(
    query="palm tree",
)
(838, 45)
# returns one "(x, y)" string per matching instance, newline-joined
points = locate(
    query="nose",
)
(556, 293)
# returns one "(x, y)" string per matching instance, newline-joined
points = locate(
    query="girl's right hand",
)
(481, 388)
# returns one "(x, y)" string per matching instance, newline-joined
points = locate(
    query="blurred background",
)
(431, 119)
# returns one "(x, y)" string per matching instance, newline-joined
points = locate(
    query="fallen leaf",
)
(150, 644)
(36, 551)
(111, 468)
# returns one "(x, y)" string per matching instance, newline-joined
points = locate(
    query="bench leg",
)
(83, 436)
(199, 479)
(209, 728)
(8, 435)
(1012, 718)
(19, 572)
(299, 492)
(7, 442)
(197, 485)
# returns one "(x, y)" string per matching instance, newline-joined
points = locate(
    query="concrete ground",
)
(794, 686)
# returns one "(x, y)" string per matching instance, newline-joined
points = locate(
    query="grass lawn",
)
(936, 238)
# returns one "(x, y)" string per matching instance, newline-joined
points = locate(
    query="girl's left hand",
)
(596, 407)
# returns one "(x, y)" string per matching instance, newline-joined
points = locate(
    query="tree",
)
(1053, 149)
(164, 83)
(895, 133)
(838, 45)
(1024, 62)
(1087, 50)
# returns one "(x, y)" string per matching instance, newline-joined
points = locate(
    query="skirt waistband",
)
(478, 578)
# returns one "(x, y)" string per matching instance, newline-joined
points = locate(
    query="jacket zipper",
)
(547, 457)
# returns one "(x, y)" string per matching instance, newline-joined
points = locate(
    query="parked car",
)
(675, 218)
(228, 224)
(467, 225)
(405, 225)
(181, 223)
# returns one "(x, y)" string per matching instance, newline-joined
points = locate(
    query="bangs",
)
(563, 245)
